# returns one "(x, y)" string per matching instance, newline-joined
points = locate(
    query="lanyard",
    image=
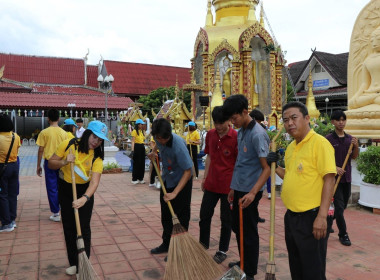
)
(80, 163)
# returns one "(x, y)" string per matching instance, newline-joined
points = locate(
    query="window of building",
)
(317, 68)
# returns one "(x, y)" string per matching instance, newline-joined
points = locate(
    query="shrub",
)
(111, 165)
(368, 164)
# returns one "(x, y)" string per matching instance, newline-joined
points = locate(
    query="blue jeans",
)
(51, 180)
(8, 193)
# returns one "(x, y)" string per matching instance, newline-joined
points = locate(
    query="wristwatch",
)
(87, 197)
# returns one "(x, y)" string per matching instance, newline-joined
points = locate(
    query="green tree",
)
(154, 100)
(289, 92)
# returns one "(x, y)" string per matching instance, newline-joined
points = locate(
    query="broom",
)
(187, 258)
(241, 236)
(343, 167)
(85, 269)
(271, 265)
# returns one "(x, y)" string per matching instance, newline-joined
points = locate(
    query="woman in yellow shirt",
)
(138, 153)
(8, 174)
(193, 139)
(87, 154)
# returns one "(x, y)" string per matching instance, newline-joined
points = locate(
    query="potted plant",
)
(368, 164)
(111, 167)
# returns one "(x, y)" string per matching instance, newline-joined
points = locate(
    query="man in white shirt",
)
(80, 128)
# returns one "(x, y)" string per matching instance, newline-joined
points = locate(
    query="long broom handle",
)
(164, 189)
(241, 235)
(344, 166)
(273, 198)
(74, 187)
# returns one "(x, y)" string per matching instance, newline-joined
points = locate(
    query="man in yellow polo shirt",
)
(48, 141)
(307, 191)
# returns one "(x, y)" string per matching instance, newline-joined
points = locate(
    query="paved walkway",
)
(126, 225)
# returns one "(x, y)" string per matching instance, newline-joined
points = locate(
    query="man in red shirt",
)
(221, 150)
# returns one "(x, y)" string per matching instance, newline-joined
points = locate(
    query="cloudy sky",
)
(161, 31)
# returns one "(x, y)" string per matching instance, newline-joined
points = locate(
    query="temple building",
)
(235, 54)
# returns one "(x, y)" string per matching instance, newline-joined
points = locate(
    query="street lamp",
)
(327, 101)
(71, 106)
(105, 83)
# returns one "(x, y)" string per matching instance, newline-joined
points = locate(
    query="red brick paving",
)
(126, 225)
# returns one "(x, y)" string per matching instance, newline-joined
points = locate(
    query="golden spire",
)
(217, 99)
(252, 11)
(209, 18)
(176, 88)
(310, 100)
(262, 15)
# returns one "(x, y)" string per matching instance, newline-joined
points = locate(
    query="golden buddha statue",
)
(369, 89)
(225, 72)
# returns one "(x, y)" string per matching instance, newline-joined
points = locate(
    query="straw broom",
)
(85, 269)
(187, 258)
(271, 265)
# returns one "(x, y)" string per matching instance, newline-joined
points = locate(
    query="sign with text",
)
(320, 83)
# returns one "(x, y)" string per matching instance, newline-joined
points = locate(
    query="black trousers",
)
(138, 162)
(181, 207)
(307, 255)
(250, 232)
(209, 201)
(8, 192)
(65, 196)
(194, 157)
(153, 174)
(341, 197)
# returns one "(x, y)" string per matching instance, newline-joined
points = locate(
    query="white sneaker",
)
(142, 182)
(72, 270)
(269, 195)
(158, 185)
(152, 185)
(135, 182)
(7, 228)
(55, 218)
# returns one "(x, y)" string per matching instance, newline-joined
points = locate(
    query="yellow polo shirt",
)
(84, 159)
(139, 137)
(192, 136)
(50, 138)
(5, 143)
(306, 163)
(69, 135)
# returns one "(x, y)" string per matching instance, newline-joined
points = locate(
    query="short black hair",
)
(79, 121)
(161, 128)
(68, 128)
(53, 115)
(336, 115)
(296, 104)
(235, 104)
(257, 115)
(6, 124)
(218, 116)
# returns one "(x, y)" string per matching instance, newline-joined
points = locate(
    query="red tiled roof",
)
(92, 76)
(8, 86)
(40, 69)
(38, 100)
(140, 79)
(66, 89)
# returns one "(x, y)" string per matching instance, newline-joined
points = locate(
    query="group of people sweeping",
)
(237, 169)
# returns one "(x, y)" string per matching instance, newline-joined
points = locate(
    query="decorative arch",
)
(224, 46)
(202, 37)
(252, 31)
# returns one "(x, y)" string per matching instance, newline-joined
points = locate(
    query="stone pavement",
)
(126, 225)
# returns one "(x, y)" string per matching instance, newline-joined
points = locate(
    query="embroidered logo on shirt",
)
(226, 152)
(245, 149)
(300, 168)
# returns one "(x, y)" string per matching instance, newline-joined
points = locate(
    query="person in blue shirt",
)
(251, 172)
(177, 177)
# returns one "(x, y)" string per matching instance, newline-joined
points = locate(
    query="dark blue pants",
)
(8, 193)
(51, 180)
(250, 231)
(209, 201)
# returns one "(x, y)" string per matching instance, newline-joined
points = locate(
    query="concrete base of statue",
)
(364, 122)
(109, 154)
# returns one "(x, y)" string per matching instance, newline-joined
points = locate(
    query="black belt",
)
(316, 209)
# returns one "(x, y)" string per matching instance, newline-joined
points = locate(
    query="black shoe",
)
(332, 230)
(345, 240)
(159, 250)
(166, 259)
(231, 264)
(220, 257)
(261, 220)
